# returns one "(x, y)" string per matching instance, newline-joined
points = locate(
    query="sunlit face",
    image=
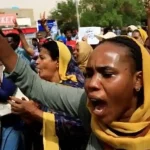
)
(76, 51)
(136, 35)
(110, 83)
(47, 68)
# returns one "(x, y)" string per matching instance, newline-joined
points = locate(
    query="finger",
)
(13, 104)
(16, 100)
(40, 16)
(44, 15)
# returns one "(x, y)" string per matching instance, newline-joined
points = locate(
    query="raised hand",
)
(16, 26)
(43, 19)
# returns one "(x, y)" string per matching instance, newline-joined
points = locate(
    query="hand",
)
(43, 19)
(16, 26)
(85, 38)
(23, 107)
(147, 7)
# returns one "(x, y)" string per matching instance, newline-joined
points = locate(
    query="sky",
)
(38, 6)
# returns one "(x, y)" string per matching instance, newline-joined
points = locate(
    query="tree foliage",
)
(100, 12)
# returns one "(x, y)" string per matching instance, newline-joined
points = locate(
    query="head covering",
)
(143, 34)
(61, 38)
(74, 69)
(106, 36)
(64, 60)
(85, 51)
(139, 121)
(132, 27)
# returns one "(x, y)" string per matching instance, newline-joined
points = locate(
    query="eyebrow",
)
(100, 68)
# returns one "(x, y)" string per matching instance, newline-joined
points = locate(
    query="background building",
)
(20, 13)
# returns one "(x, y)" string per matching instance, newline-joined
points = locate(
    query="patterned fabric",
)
(70, 131)
(73, 69)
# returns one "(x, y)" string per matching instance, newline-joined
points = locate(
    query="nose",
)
(38, 61)
(94, 84)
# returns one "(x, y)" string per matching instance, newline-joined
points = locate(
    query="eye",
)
(107, 74)
(88, 74)
(41, 57)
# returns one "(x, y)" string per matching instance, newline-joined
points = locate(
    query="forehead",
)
(44, 51)
(108, 54)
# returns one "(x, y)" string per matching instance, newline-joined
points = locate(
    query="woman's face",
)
(47, 67)
(136, 35)
(76, 51)
(110, 83)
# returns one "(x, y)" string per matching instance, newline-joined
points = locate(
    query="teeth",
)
(94, 100)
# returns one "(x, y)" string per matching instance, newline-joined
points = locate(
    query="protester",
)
(14, 41)
(56, 65)
(140, 35)
(82, 53)
(120, 106)
(10, 134)
(68, 34)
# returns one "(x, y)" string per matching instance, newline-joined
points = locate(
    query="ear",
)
(138, 81)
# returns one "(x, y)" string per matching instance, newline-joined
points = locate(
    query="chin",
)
(106, 121)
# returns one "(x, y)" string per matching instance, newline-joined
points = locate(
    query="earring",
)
(138, 89)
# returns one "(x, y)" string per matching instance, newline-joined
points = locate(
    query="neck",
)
(55, 78)
(129, 111)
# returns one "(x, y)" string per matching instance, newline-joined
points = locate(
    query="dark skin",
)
(112, 80)
(147, 45)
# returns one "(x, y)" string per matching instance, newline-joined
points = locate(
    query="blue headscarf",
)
(62, 38)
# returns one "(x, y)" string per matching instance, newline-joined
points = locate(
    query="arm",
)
(55, 96)
(28, 49)
(25, 45)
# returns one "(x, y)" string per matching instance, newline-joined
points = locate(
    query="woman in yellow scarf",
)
(82, 53)
(140, 35)
(55, 64)
(117, 88)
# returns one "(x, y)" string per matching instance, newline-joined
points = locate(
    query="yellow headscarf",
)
(64, 59)
(85, 51)
(143, 34)
(138, 120)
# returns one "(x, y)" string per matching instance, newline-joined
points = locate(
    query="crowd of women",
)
(77, 98)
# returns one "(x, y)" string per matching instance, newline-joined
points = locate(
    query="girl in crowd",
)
(82, 53)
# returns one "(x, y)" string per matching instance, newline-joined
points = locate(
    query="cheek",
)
(120, 92)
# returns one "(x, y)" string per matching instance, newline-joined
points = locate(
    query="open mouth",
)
(99, 106)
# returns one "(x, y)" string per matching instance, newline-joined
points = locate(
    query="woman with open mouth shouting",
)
(115, 104)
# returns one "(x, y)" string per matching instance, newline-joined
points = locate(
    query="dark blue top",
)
(7, 89)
